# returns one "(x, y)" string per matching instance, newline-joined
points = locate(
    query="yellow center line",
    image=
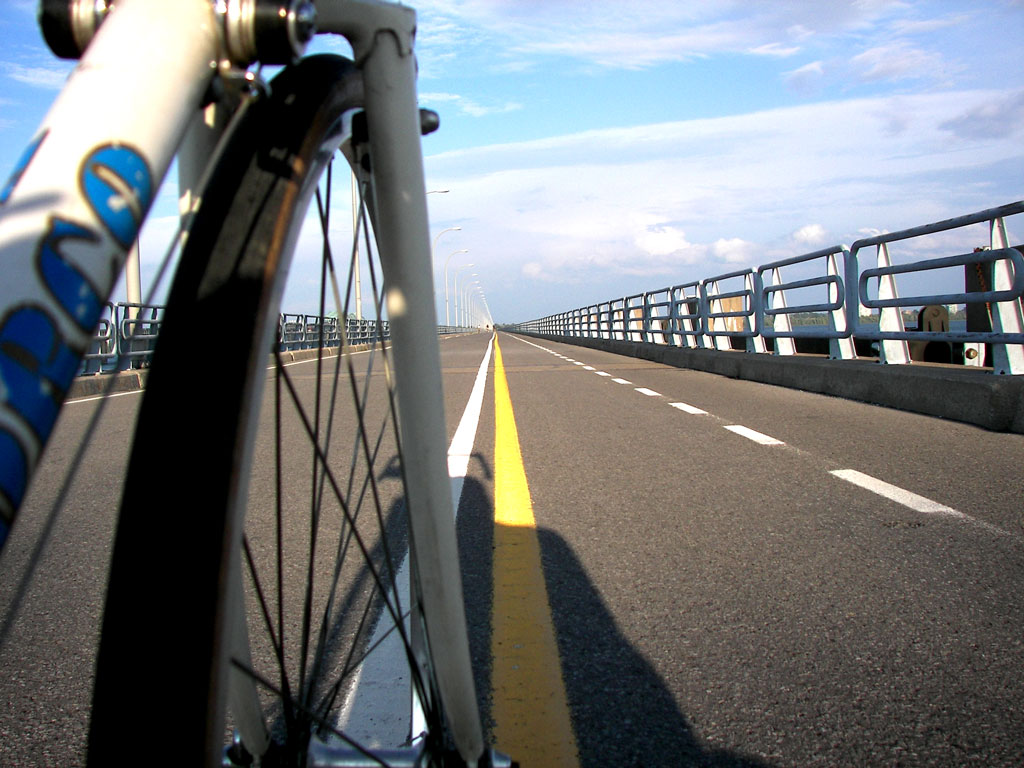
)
(530, 711)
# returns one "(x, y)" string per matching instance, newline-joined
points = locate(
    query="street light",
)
(456, 281)
(467, 298)
(438, 237)
(461, 250)
(471, 290)
(433, 258)
(479, 318)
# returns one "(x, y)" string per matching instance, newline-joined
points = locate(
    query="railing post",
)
(1006, 315)
(841, 348)
(645, 318)
(784, 345)
(890, 319)
(755, 343)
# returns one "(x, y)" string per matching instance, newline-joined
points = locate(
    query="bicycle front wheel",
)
(320, 557)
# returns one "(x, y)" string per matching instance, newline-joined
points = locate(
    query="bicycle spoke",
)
(316, 719)
(385, 589)
(286, 698)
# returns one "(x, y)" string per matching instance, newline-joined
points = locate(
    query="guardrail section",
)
(126, 335)
(830, 295)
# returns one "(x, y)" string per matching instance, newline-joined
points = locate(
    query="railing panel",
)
(1003, 296)
(102, 353)
(729, 309)
(760, 303)
(138, 326)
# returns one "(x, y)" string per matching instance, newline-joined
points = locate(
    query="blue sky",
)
(596, 148)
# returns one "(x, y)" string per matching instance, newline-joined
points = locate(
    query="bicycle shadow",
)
(623, 712)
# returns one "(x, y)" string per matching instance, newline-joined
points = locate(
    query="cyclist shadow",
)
(623, 712)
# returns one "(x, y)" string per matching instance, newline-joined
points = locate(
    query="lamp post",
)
(467, 305)
(478, 314)
(458, 317)
(456, 281)
(461, 250)
(433, 257)
(468, 292)
(438, 236)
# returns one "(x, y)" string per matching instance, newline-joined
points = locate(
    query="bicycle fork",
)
(382, 37)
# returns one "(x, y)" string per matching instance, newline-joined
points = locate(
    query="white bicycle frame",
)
(79, 195)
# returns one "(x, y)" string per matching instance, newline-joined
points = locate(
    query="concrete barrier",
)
(944, 391)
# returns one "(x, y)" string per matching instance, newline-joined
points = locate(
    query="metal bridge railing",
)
(126, 335)
(124, 338)
(860, 302)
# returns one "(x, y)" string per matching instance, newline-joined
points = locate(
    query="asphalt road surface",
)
(737, 574)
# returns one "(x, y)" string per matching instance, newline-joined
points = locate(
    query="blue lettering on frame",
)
(118, 187)
(13, 477)
(20, 166)
(36, 367)
(75, 294)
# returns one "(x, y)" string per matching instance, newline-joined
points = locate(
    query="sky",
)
(599, 148)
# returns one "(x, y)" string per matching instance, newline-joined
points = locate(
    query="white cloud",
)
(810, 234)
(775, 49)
(49, 77)
(697, 198)
(432, 96)
(533, 269)
(807, 78)
(895, 61)
(479, 110)
(642, 33)
(999, 118)
(661, 239)
(927, 26)
(469, 106)
(734, 250)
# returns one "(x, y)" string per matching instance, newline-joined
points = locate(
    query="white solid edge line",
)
(689, 409)
(750, 434)
(376, 711)
(648, 392)
(895, 493)
(93, 398)
(461, 448)
(325, 357)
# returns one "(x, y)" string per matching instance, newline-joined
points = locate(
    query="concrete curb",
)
(101, 384)
(948, 392)
(97, 385)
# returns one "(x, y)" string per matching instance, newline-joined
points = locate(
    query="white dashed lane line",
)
(691, 409)
(895, 493)
(872, 484)
(912, 501)
(750, 434)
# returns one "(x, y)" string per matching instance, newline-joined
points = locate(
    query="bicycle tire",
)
(232, 266)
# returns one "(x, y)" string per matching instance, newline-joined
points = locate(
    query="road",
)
(737, 574)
